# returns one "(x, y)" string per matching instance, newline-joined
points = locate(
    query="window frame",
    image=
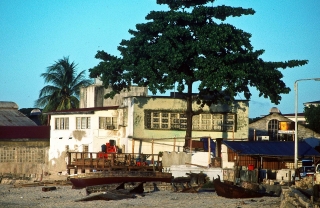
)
(61, 123)
(108, 122)
(166, 120)
(83, 122)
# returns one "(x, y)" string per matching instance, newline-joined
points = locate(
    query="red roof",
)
(28, 132)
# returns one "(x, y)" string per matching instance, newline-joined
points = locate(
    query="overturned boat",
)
(84, 180)
(232, 191)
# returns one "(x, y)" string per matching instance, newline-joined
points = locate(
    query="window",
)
(273, 127)
(61, 123)
(203, 122)
(108, 123)
(83, 123)
(165, 120)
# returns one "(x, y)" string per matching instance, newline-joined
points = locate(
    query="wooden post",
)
(152, 154)
(112, 159)
(209, 151)
(132, 148)
(152, 151)
(91, 162)
(232, 133)
(190, 144)
(174, 144)
(69, 162)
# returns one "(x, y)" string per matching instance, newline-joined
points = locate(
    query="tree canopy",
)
(312, 116)
(63, 89)
(186, 46)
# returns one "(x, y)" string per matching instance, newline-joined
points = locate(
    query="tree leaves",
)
(187, 46)
(312, 115)
(63, 89)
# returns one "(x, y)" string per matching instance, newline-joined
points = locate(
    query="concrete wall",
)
(182, 158)
(175, 158)
(175, 163)
(93, 96)
(24, 157)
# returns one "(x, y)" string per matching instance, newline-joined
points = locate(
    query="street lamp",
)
(296, 120)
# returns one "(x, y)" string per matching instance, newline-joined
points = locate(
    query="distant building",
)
(315, 103)
(278, 127)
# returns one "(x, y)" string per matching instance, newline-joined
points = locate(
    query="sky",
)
(36, 33)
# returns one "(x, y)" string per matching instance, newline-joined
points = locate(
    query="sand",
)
(65, 196)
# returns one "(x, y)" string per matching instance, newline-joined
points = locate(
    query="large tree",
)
(312, 116)
(63, 89)
(190, 44)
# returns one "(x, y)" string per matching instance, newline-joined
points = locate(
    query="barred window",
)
(85, 151)
(220, 122)
(61, 123)
(83, 123)
(108, 123)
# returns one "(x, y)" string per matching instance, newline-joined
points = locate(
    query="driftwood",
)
(50, 188)
(43, 183)
(193, 189)
(117, 194)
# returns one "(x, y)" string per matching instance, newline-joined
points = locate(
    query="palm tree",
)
(63, 91)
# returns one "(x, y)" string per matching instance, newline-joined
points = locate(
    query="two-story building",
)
(138, 123)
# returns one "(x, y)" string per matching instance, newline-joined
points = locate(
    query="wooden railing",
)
(90, 161)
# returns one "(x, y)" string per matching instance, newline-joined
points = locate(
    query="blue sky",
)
(35, 33)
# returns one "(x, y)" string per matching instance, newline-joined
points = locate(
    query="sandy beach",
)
(65, 196)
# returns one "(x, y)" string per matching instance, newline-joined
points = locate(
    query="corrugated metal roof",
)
(271, 148)
(8, 105)
(10, 116)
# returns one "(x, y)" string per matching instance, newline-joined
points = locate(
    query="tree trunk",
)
(189, 114)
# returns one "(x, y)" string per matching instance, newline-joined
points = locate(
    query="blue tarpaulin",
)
(205, 145)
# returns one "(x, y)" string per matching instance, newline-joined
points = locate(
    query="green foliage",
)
(63, 89)
(312, 115)
(175, 4)
(187, 46)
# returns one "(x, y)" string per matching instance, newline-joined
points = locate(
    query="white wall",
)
(93, 137)
(224, 157)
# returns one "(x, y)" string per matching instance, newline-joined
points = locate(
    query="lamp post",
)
(296, 120)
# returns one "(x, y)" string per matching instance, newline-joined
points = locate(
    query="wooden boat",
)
(231, 191)
(108, 177)
(118, 193)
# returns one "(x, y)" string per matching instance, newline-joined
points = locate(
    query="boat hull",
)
(232, 191)
(99, 178)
